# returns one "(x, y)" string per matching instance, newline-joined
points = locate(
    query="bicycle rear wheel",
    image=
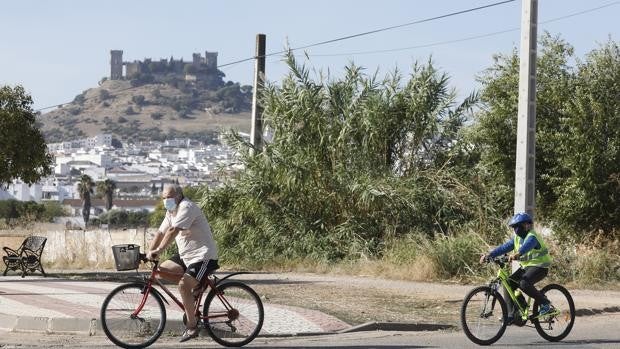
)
(559, 322)
(129, 331)
(233, 315)
(483, 315)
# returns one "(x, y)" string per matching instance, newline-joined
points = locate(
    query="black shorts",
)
(198, 270)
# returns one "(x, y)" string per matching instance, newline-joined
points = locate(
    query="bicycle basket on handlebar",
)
(126, 257)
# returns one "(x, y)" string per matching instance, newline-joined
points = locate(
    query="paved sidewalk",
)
(61, 305)
(58, 305)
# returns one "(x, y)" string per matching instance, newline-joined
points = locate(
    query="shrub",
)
(129, 111)
(138, 100)
(104, 94)
(456, 255)
(157, 116)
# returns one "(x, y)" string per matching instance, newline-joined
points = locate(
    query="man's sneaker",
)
(189, 334)
(545, 309)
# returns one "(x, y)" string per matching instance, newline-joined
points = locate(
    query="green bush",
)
(125, 219)
(53, 209)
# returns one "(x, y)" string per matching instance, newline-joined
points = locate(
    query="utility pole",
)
(525, 170)
(256, 135)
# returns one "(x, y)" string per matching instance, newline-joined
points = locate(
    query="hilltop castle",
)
(199, 66)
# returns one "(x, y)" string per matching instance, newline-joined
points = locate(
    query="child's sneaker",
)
(545, 309)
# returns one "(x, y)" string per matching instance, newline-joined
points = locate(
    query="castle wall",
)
(174, 66)
(132, 69)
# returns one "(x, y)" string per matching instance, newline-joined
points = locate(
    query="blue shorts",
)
(199, 270)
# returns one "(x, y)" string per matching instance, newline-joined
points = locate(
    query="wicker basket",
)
(126, 257)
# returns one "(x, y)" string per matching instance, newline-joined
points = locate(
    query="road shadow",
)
(394, 346)
(128, 276)
(583, 342)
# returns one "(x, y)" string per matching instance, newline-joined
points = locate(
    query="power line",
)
(338, 39)
(473, 9)
(439, 43)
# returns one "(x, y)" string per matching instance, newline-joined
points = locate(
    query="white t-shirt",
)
(195, 241)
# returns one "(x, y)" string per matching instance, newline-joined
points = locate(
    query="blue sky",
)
(57, 49)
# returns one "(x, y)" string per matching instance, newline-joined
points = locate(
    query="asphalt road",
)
(599, 331)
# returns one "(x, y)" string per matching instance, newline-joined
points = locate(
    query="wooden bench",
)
(27, 257)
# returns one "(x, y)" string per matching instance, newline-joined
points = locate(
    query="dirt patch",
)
(358, 301)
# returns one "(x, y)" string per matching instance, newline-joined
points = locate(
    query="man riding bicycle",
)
(197, 258)
(530, 250)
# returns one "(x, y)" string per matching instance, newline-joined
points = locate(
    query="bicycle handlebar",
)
(143, 258)
(500, 260)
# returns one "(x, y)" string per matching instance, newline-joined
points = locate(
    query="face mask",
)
(520, 230)
(170, 204)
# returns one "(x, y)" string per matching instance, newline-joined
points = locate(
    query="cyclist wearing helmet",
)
(530, 250)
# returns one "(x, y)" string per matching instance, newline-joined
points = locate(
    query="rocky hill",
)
(140, 110)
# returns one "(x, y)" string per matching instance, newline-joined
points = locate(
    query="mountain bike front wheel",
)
(483, 315)
(233, 314)
(129, 330)
(557, 324)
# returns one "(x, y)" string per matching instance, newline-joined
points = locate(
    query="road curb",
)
(14, 323)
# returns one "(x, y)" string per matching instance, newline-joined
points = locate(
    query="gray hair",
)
(178, 191)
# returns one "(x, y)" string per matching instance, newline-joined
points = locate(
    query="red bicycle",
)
(133, 315)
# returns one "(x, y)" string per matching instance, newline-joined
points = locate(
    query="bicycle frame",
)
(503, 275)
(210, 283)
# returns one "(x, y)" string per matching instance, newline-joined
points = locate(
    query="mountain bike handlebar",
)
(499, 260)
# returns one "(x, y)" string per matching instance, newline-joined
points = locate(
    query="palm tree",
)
(106, 189)
(85, 188)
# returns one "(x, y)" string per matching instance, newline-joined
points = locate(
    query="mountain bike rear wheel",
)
(483, 315)
(233, 315)
(558, 324)
(126, 330)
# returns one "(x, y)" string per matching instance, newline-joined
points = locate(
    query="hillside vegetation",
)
(150, 110)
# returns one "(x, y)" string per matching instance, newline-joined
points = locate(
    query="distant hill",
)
(151, 109)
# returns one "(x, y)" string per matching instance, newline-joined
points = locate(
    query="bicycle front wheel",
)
(124, 328)
(483, 315)
(557, 324)
(233, 314)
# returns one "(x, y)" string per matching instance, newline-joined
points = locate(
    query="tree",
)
(577, 136)
(589, 151)
(493, 135)
(106, 190)
(85, 188)
(116, 143)
(23, 152)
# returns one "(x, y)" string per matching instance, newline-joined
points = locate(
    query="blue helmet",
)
(519, 218)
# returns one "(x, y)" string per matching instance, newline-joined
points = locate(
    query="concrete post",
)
(256, 134)
(525, 169)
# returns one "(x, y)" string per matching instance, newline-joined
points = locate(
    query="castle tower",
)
(211, 59)
(196, 59)
(116, 65)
